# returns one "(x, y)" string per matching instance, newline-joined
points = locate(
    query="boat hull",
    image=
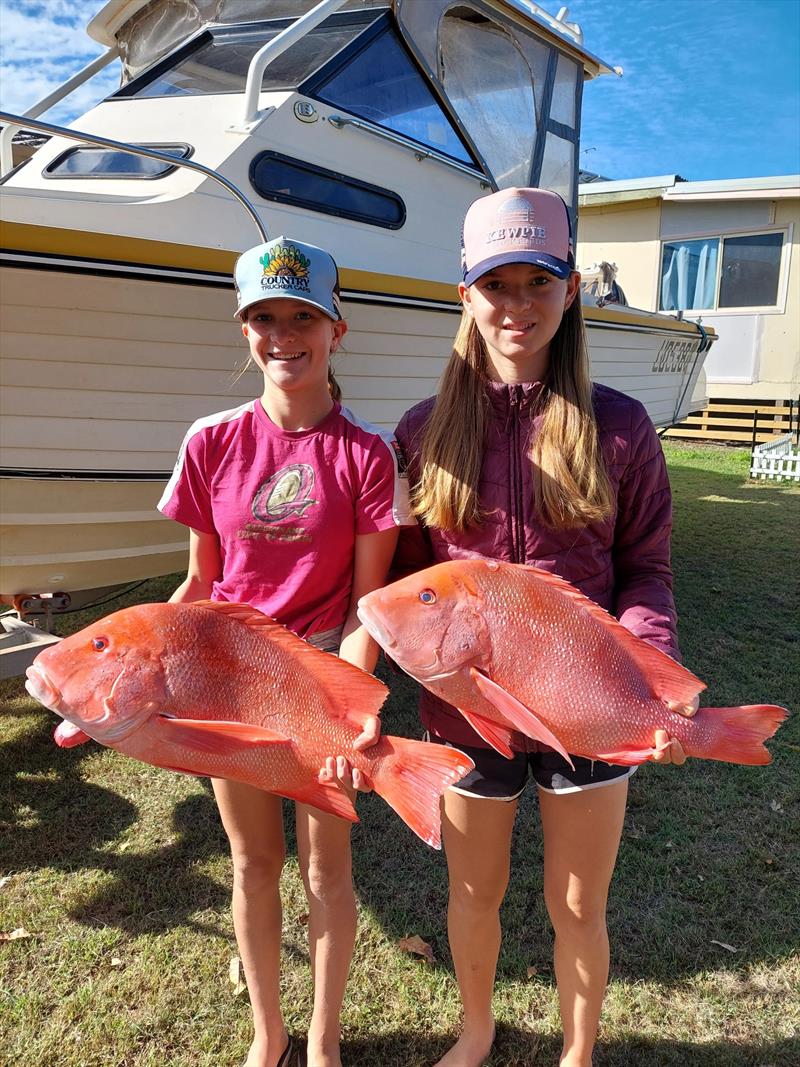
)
(103, 372)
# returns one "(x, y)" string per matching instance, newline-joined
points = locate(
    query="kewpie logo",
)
(515, 222)
(287, 494)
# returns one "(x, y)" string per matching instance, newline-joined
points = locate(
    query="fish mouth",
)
(42, 688)
(108, 728)
(373, 627)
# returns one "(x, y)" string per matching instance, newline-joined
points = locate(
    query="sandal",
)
(286, 1055)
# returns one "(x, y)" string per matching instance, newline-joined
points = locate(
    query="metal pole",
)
(136, 150)
(7, 135)
(272, 49)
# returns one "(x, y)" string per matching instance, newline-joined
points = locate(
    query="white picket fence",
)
(776, 459)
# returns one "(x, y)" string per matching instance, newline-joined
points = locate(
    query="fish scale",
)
(518, 650)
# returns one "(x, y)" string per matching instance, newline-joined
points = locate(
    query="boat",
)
(362, 126)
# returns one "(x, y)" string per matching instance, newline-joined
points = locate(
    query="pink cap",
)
(517, 226)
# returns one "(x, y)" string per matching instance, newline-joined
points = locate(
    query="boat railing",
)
(271, 50)
(26, 123)
(420, 151)
(8, 132)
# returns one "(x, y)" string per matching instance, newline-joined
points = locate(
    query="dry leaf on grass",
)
(15, 935)
(116, 961)
(728, 948)
(5, 880)
(236, 976)
(417, 947)
(532, 972)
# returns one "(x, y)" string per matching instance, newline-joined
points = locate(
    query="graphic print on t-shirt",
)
(284, 495)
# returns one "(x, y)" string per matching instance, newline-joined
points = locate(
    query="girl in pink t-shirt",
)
(293, 506)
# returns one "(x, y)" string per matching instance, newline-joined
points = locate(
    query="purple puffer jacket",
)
(622, 563)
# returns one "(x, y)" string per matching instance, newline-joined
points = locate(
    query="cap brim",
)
(559, 267)
(286, 296)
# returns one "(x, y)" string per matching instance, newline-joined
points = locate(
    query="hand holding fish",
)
(670, 750)
(339, 769)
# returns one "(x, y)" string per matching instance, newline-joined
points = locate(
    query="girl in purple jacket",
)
(520, 458)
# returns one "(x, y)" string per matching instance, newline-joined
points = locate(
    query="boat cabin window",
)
(292, 181)
(383, 85)
(489, 83)
(110, 163)
(217, 60)
(354, 60)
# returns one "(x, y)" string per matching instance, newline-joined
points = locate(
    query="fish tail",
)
(413, 778)
(742, 732)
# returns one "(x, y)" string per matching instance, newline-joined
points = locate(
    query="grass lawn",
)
(119, 872)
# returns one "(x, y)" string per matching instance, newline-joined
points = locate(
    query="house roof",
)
(673, 187)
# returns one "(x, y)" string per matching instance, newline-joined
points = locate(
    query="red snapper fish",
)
(222, 690)
(515, 648)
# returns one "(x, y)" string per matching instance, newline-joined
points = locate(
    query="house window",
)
(714, 273)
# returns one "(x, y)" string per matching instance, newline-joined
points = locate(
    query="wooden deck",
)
(740, 421)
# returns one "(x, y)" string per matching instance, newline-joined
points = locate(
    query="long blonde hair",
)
(570, 484)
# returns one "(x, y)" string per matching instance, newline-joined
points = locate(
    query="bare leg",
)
(581, 838)
(477, 840)
(323, 845)
(253, 823)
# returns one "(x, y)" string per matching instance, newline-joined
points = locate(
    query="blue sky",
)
(711, 88)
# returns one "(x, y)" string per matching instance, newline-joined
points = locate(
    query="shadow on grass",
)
(51, 817)
(518, 1048)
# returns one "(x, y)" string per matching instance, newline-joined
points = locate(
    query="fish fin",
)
(499, 737)
(522, 717)
(327, 796)
(412, 777)
(219, 736)
(743, 733)
(353, 695)
(668, 680)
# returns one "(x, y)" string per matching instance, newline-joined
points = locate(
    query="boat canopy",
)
(494, 85)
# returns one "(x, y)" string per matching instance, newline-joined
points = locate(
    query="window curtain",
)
(689, 275)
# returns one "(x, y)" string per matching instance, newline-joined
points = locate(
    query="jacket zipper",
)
(516, 509)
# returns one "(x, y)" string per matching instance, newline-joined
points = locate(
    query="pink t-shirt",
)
(287, 506)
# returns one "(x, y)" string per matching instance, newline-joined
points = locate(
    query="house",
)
(725, 252)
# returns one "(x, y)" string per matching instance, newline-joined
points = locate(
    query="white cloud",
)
(42, 44)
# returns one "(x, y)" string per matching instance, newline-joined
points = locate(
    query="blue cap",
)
(287, 268)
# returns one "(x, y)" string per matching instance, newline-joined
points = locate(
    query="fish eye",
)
(99, 643)
(427, 596)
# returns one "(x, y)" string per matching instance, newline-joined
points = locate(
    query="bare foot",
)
(471, 1049)
(322, 1055)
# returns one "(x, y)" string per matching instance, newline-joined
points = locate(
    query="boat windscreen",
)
(218, 60)
(382, 85)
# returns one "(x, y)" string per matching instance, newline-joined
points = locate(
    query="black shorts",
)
(498, 778)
